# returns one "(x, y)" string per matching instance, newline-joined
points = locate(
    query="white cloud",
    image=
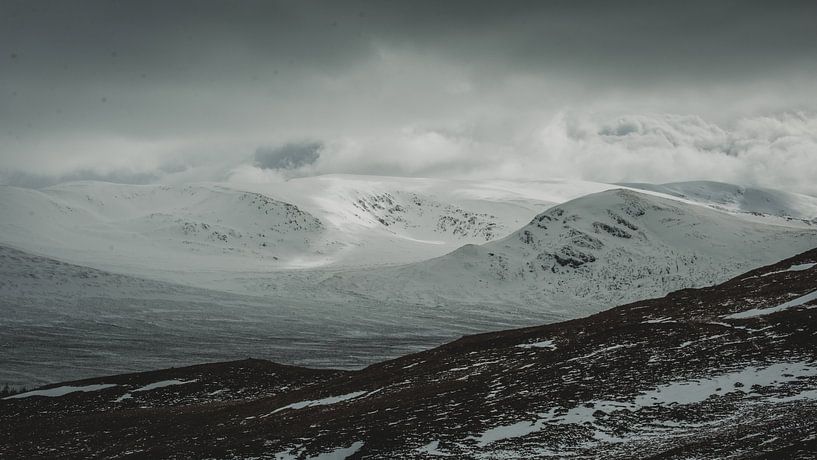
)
(772, 151)
(777, 151)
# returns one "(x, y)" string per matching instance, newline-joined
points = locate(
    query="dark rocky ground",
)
(675, 377)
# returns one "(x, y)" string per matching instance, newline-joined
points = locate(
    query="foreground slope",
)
(592, 252)
(728, 371)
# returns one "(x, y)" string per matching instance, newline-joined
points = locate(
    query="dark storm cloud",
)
(398, 87)
(203, 40)
(290, 156)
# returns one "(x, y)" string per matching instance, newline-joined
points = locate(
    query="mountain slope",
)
(217, 234)
(598, 250)
(155, 226)
(736, 198)
(292, 235)
(728, 371)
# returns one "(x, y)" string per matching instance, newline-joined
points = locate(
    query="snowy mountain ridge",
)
(310, 222)
(736, 198)
(613, 246)
(489, 242)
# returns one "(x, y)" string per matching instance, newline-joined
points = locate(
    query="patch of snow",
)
(341, 453)
(672, 393)
(514, 430)
(694, 391)
(793, 268)
(811, 296)
(163, 383)
(123, 397)
(432, 448)
(457, 369)
(325, 401)
(62, 391)
(666, 319)
(549, 344)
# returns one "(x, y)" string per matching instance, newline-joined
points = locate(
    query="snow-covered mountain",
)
(176, 232)
(586, 254)
(413, 240)
(109, 223)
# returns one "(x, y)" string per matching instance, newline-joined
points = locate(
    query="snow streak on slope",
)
(592, 252)
(740, 199)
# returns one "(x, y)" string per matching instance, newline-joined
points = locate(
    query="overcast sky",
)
(175, 91)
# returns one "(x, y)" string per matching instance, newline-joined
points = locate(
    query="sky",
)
(248, 91)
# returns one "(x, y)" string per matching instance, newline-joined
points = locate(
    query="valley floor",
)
(66, 322)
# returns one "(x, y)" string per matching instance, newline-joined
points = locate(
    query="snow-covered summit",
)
(163, 227)
(172, 232)
(597, 250)
(534, 244)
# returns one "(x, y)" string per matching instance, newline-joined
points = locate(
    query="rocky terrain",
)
(399, 208)
(728, 371)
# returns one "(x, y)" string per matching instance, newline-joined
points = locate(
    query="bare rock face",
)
(402, 209)
(723, 371)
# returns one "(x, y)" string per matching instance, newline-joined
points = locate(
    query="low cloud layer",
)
(185, 91)
(778, 151)
(770, 151)
(773, 151)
